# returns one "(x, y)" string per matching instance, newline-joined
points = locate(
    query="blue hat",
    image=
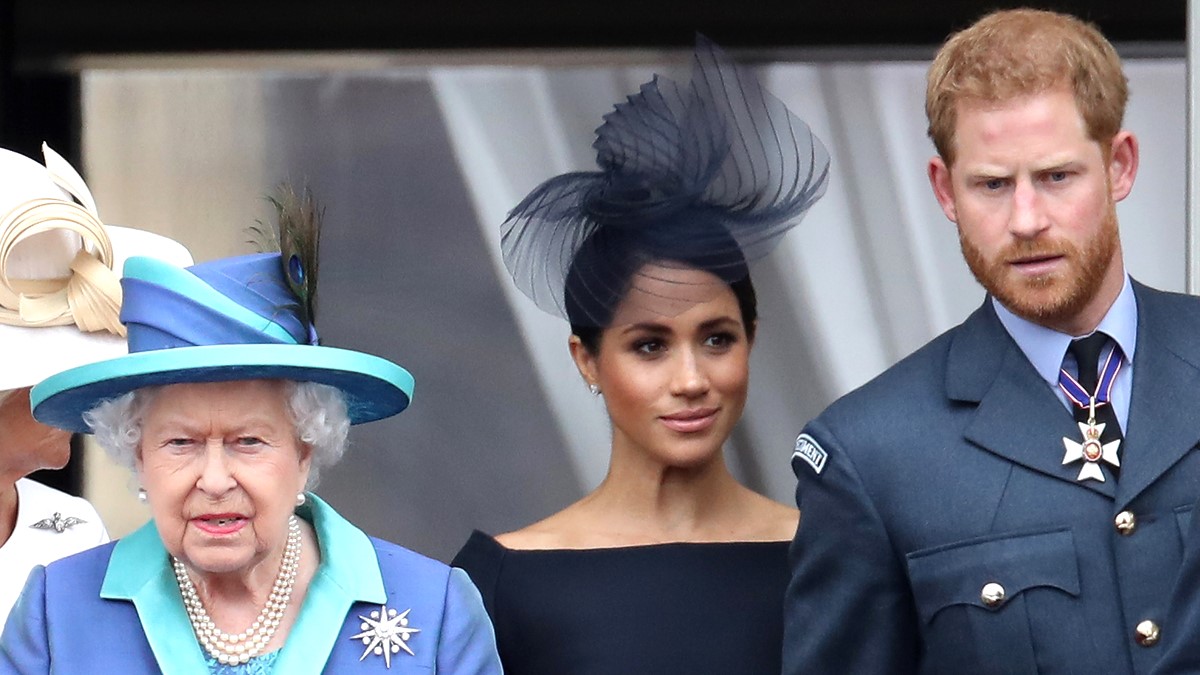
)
(228, 319)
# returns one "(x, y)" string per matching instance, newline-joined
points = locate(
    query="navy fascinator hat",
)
(709, 174)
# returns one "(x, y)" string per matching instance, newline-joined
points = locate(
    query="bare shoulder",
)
(550, 533)
(776, 521)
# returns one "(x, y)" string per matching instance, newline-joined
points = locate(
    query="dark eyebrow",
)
(660, 329)
(719, 322)
(647, 326)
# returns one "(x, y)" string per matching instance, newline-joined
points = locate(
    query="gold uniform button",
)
(1146, 633)
(1125, 523)
(992, 594)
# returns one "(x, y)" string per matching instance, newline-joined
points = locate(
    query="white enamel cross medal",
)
(1091, 451)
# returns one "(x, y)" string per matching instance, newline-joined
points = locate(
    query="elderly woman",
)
(59, 299)
(227, 409)
(670, 565)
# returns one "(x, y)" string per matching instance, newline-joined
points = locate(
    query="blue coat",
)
(117, 609)
(1181, 645)
(945, 474)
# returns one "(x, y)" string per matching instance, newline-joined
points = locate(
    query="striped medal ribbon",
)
(1091, 450)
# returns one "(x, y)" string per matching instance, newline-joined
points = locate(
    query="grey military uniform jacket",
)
(940, 532)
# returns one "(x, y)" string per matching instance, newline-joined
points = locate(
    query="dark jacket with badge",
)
(940, 532)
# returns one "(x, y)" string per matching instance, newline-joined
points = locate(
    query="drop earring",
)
(142, 496)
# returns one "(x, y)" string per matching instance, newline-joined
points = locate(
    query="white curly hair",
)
(318, 413)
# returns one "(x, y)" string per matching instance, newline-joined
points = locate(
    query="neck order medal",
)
(1091, 450)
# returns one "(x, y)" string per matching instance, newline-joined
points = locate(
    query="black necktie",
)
(1087, 357)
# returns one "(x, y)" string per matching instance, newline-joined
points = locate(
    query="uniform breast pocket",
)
(1183, 519)
(975, 599)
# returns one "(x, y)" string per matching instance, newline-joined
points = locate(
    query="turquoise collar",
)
(139, 571)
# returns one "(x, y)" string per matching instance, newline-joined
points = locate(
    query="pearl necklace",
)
(230, 649)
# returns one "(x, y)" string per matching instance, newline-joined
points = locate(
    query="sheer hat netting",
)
(710, 173)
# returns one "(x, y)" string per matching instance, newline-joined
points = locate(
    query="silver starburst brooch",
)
(386, 632)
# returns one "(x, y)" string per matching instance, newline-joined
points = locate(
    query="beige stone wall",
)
(176, 152)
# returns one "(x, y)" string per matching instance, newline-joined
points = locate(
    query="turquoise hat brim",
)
(374, 387)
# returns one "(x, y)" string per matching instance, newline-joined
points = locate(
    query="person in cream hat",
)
(60, 297)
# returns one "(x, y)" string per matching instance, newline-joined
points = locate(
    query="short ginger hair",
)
(1022, 52)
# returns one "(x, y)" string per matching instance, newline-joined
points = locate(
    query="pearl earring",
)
(595, 389)
(142, 496)
(300, 499)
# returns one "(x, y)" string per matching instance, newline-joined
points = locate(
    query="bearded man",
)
(1011, 498)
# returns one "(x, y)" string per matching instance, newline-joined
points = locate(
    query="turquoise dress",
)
(126, 595)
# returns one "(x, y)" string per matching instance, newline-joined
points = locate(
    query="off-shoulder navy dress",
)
(660, 609)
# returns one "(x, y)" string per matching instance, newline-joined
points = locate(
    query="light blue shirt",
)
(1046, 348)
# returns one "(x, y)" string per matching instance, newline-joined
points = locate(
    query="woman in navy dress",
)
(670, 565)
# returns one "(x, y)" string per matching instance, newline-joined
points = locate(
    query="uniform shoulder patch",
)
(809, 450)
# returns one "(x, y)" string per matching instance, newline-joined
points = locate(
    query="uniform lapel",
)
(1018, 417)
(1163, 425)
